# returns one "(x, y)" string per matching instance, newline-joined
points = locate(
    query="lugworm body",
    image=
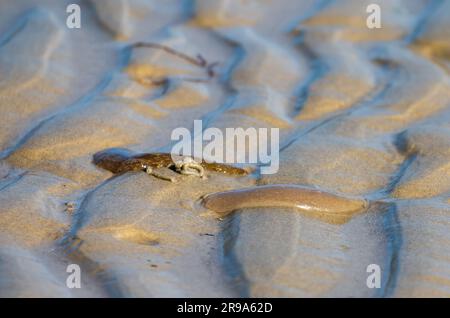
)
(331, 207)
(119, 160)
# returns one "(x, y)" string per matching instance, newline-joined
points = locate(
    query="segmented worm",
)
(323, 205)
(118, 160)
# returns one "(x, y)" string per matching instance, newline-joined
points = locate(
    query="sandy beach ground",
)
(362, 113)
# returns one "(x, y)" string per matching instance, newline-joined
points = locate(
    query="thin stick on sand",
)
(199, 60)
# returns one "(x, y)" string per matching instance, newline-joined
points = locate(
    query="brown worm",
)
(323, 205)
(119, 160)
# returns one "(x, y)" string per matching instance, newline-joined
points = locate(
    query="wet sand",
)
(364, 116)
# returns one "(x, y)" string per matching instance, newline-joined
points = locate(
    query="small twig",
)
(210, 69)
(199, 61)
(196, 61)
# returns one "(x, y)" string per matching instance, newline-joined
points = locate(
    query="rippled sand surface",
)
(362, 113)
